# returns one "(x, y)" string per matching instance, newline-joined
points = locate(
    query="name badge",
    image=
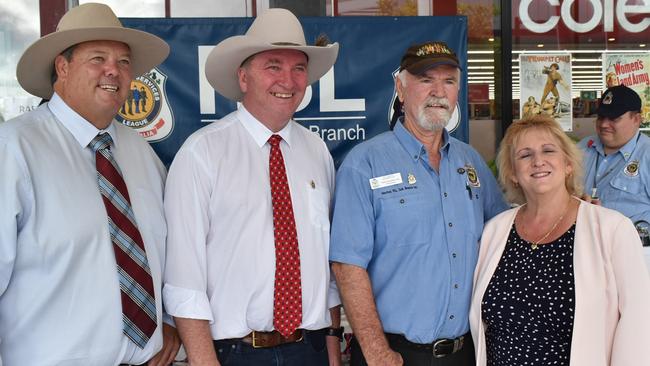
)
(385, 180)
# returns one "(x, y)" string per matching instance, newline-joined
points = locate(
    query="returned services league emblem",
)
(632, 169)
(147, 109)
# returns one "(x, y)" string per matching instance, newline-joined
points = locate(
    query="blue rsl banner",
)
(350, 104)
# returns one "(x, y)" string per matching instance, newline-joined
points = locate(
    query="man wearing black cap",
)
(409, 209)
(617, 160)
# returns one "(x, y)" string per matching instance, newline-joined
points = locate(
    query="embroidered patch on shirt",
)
(472, 177)
(632, 169)
(385, 180)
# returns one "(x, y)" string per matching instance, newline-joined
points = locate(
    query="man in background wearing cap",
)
(247, 204)
(617, 160)
(409, 210)
(80, 262)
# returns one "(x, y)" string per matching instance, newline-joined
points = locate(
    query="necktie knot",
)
(274, 140)
(100, 142)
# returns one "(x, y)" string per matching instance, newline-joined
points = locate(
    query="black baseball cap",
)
(617, 100)
(421, 57)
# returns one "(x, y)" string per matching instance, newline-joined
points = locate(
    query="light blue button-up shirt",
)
(416, 231)
(59, 288)
(621, 179)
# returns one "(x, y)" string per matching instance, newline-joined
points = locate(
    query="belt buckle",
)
(254, 341)
(281, 341)
(439, 342)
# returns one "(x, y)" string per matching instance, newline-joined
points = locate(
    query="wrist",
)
(335, 332)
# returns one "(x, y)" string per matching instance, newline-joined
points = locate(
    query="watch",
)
(336, 332)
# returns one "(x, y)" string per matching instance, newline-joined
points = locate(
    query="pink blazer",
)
(612, 311)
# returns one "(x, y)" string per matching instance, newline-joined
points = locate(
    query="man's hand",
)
(333, 350)
(360, 308)
(197, 340)
(171, 344)
(593, 200)
(387, 358)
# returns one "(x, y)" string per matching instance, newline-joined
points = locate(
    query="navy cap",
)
(617, 100)
(421, 57)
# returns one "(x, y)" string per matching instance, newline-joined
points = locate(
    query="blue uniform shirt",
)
(417, 232)
(622, 178)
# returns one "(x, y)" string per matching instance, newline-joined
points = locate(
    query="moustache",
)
(443, 102)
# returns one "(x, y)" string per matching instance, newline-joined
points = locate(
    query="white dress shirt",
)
(220, 248)
(59, 289)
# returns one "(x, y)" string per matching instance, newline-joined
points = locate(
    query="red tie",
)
(287, 298)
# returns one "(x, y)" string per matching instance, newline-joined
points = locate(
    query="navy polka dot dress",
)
(528, 306)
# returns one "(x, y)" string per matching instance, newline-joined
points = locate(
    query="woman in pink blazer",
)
(559, 281)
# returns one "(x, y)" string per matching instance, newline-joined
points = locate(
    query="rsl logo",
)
(146, 108)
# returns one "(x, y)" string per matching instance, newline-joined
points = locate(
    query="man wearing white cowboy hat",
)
(247, 206)
(82, 230)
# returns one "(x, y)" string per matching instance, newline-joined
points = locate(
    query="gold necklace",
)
(535, 244)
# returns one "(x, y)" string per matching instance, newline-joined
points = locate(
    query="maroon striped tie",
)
(136, 284)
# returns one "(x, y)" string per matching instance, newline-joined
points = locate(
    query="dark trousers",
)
(413, 357)
(312, 351)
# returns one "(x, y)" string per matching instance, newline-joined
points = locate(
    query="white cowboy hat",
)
(87, 22)
(275, 29)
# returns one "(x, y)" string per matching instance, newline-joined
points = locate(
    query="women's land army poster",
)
(632, 70)
(546, 87)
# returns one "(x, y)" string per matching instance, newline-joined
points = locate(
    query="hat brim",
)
(35, 67)
(426, 64)
(225, 59)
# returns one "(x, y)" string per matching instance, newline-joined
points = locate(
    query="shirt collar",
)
(626, 151)
(258, 131)
(629, 147)
(82, 130)
(411, 144)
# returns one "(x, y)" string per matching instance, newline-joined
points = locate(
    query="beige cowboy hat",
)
(87, 22)
(275, 29)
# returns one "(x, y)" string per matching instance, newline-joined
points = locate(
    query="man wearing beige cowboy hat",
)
(247, 206)
(82, 230)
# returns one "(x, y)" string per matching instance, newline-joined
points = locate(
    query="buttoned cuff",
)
(185, 303)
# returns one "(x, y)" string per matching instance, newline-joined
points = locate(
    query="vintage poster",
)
(632, 70)
(546, 87)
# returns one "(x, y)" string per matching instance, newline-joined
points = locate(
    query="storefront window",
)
(19, 27)
(134, 8)
(594, 43)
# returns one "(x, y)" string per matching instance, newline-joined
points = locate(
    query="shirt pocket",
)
(406, 220)
(151, 224)
(319, 206)
(624, 184)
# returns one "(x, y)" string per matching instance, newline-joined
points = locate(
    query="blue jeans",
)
(312, 351)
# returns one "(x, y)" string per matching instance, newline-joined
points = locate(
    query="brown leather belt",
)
(271, 339)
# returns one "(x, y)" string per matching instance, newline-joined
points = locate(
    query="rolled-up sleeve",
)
(187, 199)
